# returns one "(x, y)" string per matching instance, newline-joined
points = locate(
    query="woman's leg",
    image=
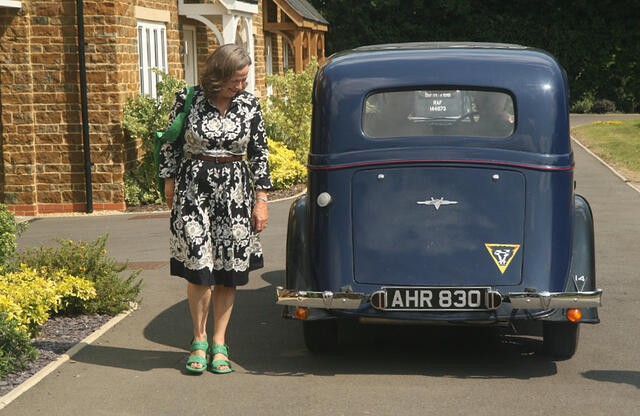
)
(199, 300)
(223, 298)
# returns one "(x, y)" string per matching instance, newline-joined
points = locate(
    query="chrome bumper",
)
(518, 300)
(326, 300)
(557, 300)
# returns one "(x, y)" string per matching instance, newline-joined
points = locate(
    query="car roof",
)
(438, 45)
(502, 50)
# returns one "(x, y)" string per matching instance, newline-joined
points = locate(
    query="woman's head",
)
(225, 71)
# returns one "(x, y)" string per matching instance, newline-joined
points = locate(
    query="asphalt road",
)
(136, 367)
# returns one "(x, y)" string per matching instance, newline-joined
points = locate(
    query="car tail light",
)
(301, 313)
(574, 314)
(378, 299)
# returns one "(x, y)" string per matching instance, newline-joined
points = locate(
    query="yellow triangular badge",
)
(502, 254)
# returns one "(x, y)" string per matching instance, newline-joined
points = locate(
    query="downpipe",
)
(84, 107)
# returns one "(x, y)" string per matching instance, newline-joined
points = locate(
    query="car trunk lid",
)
(438, 226)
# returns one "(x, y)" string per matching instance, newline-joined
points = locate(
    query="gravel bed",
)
(56, 337)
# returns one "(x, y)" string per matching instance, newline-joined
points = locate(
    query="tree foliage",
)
(596, 42)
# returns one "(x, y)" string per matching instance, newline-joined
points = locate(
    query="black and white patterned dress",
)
(211, 240)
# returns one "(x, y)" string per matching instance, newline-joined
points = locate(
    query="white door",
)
(189, 55)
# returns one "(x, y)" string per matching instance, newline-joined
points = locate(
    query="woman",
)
(215, 212)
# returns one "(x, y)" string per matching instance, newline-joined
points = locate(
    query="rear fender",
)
(298, 273)
(582, 276)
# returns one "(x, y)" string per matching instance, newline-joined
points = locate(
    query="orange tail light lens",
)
(574, 315)
(301, 313)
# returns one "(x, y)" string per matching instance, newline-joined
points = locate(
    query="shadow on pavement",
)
(262, 343)
(615, 376)
(129, 358)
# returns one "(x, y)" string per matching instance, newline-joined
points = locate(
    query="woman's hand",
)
(169, 187)
(260, 213)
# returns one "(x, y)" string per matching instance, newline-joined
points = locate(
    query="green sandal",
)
(220, 349)
(199, 359)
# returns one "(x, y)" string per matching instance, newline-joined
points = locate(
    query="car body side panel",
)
(582, 276)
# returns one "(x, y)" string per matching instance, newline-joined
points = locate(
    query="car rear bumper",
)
(518, 300)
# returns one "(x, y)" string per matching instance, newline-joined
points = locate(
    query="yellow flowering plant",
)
(30, 295)
(285, 169)
(88, 260)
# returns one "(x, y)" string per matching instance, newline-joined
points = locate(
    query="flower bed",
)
(75, 280)
(56, 337)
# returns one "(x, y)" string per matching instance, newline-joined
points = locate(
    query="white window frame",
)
(152, 53)
(11, 3)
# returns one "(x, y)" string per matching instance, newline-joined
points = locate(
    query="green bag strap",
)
(170, 135)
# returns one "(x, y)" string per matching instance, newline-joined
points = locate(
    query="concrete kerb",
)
(598, 158)
(52, 366)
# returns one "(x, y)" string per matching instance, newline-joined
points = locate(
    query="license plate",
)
(436, 298)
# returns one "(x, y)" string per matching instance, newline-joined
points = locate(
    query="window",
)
(152, 53)
(439, 113)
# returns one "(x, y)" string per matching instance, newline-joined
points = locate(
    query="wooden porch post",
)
(297, 44)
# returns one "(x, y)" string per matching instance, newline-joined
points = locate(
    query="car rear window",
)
(439, 113)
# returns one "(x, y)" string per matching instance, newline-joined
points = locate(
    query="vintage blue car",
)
(441, 190)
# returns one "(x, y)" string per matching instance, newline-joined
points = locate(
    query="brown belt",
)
(215, 159)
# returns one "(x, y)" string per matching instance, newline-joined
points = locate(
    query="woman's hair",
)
(220, 66)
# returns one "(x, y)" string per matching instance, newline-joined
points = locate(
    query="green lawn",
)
(617, 142)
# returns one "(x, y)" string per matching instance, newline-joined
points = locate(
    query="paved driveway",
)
(136, 368)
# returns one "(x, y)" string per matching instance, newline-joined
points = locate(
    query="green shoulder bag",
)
(173, 133)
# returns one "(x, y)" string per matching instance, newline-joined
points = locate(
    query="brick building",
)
(45, 151)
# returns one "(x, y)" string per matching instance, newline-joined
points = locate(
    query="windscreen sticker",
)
(502, 254)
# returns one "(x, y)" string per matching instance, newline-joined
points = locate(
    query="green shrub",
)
(285, 169)
(10, 229)
(603, 106)
(15, 350)
(140, 187)
(287, 113)
(583, 105)
(30, 295)
(142, 117)
(89, 260)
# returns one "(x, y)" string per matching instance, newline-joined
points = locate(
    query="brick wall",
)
(16, 101)
(42, 148)
(259, 63)
(42, 159)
